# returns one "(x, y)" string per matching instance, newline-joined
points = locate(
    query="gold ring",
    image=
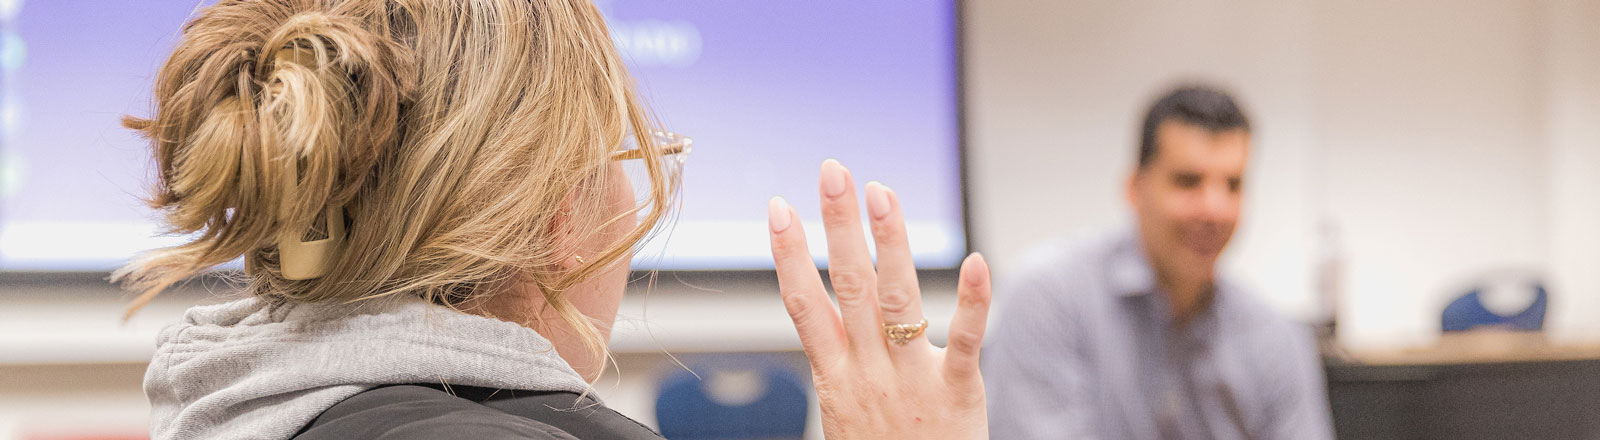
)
(900, 334)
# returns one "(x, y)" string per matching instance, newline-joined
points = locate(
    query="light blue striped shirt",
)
(1083, 347)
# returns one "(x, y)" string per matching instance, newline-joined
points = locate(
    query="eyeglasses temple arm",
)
(666, 150)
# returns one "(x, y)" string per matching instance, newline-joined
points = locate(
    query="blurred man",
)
(1135, 336)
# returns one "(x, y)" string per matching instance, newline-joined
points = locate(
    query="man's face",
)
(1187, 198)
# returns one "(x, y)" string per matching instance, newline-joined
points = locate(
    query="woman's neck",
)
(524, 303)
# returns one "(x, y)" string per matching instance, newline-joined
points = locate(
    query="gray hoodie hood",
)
(256, 369)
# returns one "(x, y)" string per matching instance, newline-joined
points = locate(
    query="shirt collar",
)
(1131, 276)
(1130, 272)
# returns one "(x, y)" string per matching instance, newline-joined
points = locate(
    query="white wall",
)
(1435, 152)
(1572, 106)
(1440, 139)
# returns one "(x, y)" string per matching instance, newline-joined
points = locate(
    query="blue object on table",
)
(687, 410)
(1468, 312)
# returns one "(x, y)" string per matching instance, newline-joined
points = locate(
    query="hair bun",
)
(244, 111)
(330, 106)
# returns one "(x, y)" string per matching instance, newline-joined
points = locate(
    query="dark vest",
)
(406, 412)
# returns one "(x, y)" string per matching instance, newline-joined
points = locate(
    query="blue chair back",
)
(687, 410)
(1467, 312)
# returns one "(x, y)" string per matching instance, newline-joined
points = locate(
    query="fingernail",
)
(778, 214)
(975, 270)
(833, 177)
(877, 200)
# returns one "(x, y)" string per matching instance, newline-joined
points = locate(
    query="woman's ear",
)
(563, 235)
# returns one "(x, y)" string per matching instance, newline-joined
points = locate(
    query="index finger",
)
(821, 332)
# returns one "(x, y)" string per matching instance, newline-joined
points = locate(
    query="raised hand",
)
(876, 374)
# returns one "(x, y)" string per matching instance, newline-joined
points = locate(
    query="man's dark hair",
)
(1199, 105)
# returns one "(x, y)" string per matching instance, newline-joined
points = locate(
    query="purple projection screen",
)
(767, 90)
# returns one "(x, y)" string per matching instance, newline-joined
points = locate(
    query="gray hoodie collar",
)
(256, 369)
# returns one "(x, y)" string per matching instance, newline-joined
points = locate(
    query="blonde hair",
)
(453, 132)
